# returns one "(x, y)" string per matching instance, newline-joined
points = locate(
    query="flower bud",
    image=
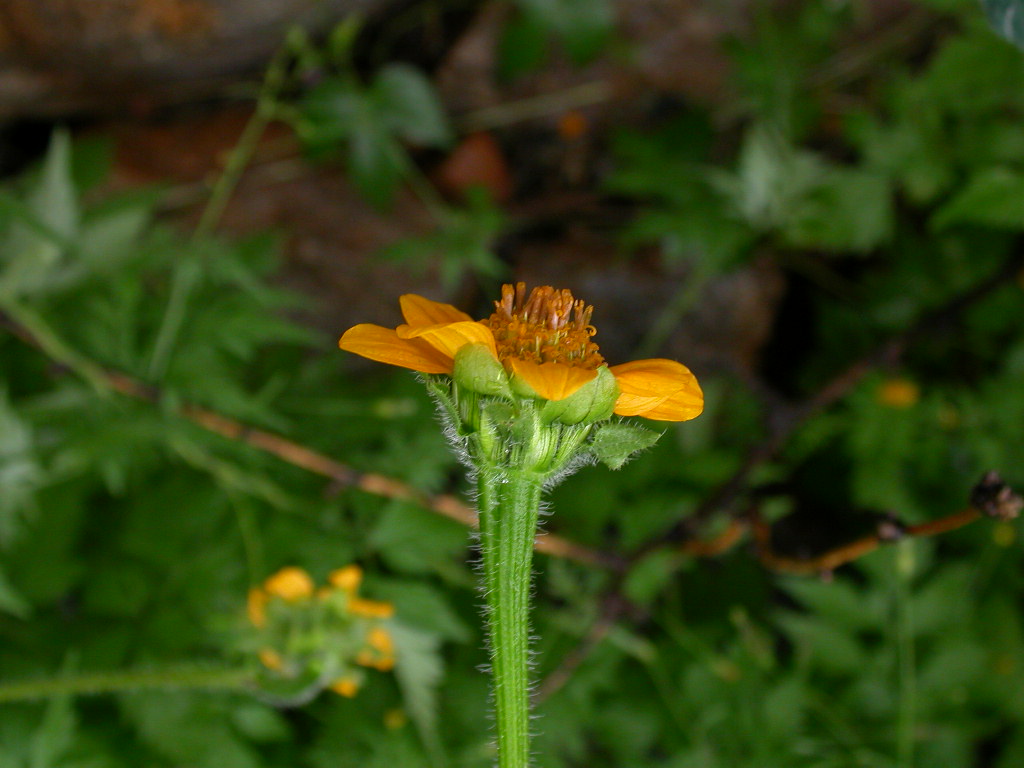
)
(478, 370)
(592, 402)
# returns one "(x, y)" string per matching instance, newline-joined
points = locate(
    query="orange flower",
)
(544, 339)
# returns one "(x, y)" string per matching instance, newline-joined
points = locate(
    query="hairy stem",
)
(92, 683)
(509, 505)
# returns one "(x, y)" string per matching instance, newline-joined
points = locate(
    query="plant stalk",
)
(509, 502)
(93, 683)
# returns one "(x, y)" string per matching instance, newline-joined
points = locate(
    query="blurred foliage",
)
(129, 536)
(582, 27)
(377, 125)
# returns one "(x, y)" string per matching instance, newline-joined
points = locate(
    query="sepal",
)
(614, 444)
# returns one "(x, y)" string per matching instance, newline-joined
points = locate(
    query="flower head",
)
(543, 341)
(306, 636)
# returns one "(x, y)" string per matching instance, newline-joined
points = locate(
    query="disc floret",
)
(548, 326)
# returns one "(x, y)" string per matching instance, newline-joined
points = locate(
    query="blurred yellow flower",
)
(370, 609)
(380, 640)
(347, 578)
(345, 686)
(256, 607)
(271, 659)
(289, 584)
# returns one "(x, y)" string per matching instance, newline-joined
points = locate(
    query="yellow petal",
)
(419, 311)
(290, 584)
(347, 578)
(380, 640)
(345, 686)
(449, 338)
(256, 607)
(271, 659)
(658, 389)
(552, 381)
(384, 345)
(370, 609)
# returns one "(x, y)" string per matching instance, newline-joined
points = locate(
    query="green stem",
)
(509, 505)
(905, 654)
(187, 275)
(113, 682)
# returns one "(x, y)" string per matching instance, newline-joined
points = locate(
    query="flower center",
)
(548, 326)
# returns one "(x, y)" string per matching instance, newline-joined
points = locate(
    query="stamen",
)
(546, 326)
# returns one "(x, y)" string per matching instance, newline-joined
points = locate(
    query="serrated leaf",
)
(46, 224)
(20, 472)
(419, 668)
(412, 540)
(614, 443)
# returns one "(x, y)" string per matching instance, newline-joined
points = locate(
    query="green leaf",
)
(413, 540)
(54, 199)
(648, 577)
(523, 47)
(419, 668)
(424, 607)
(993, 197)
(408, 106)
(330, 112)
(833, 649)
(615, 443)
(261, 723)
(463, 242)
(55, 736)
(851, 210)
(837, 602)
(20, 472)
(583, 25)
(11, 600)
(45, 226)
(376, 163)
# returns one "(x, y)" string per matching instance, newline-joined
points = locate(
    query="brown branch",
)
(991, 498)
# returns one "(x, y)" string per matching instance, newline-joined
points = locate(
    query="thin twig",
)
(543, 105)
